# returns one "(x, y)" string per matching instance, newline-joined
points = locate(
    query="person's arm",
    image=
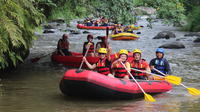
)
(167, 66)
(148, 70)
(128, 66)
(88, 64)
(151, 64)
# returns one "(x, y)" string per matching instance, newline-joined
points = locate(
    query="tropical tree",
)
(18, 19)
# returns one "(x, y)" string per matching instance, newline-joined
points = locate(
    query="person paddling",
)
(160, 63)
(140, 64)
(63, 46)
(103, 65)
(118, 69)
(89, 44)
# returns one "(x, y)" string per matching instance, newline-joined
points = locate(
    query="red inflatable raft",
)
(82, 26)
(92, 84)
(76, 59)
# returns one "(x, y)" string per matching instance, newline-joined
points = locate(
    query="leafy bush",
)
(18, 18)
(193, 19)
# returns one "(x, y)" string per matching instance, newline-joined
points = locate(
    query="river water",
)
(34, 87)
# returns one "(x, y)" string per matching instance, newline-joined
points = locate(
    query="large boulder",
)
(165, 35)
(144, 10)
(193, 34)
(197, 40)
(173, 45)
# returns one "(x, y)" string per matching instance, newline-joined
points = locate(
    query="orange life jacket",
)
(64, 44)
(120, 71)
(102, 68)
(91, 49)
(138, 65)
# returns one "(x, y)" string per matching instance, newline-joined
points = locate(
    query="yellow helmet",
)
(102, 50)
(137, 51)
(123, 51)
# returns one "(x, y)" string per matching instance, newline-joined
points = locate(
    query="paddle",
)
(147, 97)
(169, 78)
(36, 59)
(192, 91)
(107, 31)
(84, 56)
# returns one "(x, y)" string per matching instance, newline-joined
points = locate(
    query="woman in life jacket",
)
(129, 29)
(103, 44)
(104, 21)
(89, 45)
(140, 64)
(118, 29)
(160, 63)
(88, 21)
(63, 46)
(103, 65)
(97, 22)
(118, 69)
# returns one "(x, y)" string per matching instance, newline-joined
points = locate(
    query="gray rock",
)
(59, 20)
(197, 40)
(86, 32)
(75, 32)
(165, 35)
(144, 10)
(193, 34)
(173, 45)
(49, 31)
(48, 26)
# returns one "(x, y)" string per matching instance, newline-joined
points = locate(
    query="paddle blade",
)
(193, 91)
(148, 97)
(173, 79)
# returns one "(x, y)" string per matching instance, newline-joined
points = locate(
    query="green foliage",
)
(193, 20)
(171, 11)
(17, 20)
(115, 10)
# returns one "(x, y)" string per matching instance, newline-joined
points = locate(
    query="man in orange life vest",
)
(63, 45)
(140, 64)
(103, 65)
(118, 69)
(103, 44)
(89, 45)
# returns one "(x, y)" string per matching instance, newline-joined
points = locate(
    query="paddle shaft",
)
(84, 56)
(134, 79)
(146, 72)
(107, 31)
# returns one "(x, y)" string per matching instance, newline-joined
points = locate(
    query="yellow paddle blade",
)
(173, 79)
(148, 97)
(193, 91)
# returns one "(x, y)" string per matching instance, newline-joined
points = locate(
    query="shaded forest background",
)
(19, 19)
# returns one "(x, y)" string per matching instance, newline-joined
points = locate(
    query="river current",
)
(34, 87)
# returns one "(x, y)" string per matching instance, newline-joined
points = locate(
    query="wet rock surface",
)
(197, 40)
(165, 35)
(173, 45)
